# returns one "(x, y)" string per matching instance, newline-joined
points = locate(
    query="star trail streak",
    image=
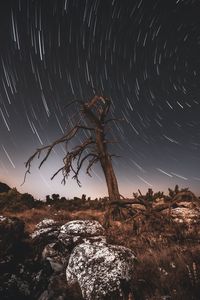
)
(143, 55)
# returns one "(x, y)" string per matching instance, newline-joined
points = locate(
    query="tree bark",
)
(113, 211)
(106, 164)
(95, 112)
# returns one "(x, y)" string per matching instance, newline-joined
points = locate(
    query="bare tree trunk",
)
(106, 165)
(95, 112)
(110, 177)
(113, 211)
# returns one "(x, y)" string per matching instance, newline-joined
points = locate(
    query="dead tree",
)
(94, 149)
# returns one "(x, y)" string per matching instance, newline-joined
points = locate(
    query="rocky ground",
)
(58, 253)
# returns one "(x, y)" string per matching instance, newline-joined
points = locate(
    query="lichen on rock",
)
(100, 269)
(45, 223)
(2, 218)
(80, 231)
(186, 215)
(83, 227)
(47, 227)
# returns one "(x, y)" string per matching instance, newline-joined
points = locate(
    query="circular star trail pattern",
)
(144, 55)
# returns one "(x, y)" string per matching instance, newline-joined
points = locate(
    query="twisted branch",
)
(65, 138)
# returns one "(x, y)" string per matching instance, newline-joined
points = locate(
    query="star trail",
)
(143, 55)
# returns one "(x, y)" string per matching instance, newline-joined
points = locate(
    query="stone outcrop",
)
(46, 228)
(79, 231)
(185, 212)
(72, 261)
(55, 242)
(11, 234)
(22, 275)
(101, 269)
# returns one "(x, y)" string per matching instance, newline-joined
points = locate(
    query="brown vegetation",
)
(168, 251)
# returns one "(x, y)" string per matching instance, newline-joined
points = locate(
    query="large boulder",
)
(102, 270)
(45, 223)
(57, 254)
(66, 238)
(46, 232)
(22, 275)
(139, 207)
(47, 227)
(94, 268)
(79, 231)
(182, 214)
(57, 243)
(157, 202)
(72, 232)
(11, 236)
(83, 228)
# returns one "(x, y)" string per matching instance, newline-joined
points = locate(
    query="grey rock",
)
(100, 269)
(67, 237)
(186, 215)
(22, 275)
(83, 227)
(47, 227)
(46, 223)
(79, 231)
(57, 255)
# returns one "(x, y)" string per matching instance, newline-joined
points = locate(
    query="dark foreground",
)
(166, 246)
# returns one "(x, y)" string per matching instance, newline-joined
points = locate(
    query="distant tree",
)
(28, 200)
(83, 197)
(93, 122)
(48, 199)
(63, 199)
(55, 197)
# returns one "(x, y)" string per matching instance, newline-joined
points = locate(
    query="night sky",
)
(144, 55)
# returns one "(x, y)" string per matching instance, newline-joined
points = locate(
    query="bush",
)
(4, 188)
(14, 201)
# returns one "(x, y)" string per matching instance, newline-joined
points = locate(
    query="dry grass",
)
(34, 216)
(166, 267)
(168, 271)
(168, 263)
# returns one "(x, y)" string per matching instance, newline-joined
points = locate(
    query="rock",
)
(22, 275)
(46, 232)
(138, 207)
(59, 290)
(101, 269)
(46, 223)
(83, 228)
(54, 243)
(66, 238)
(186, 204)
(46, 228)
(185, 215)
(53, 257)
(157, 202)
(57, 254)
(34, 267)
(11, 236)
(2, 218)
(25, 281)
(78, 231)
